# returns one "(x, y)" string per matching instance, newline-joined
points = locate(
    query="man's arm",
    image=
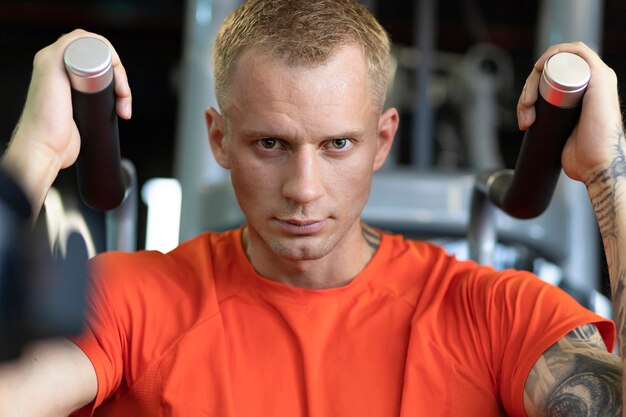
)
(51, 379)
(577, 376)
(606, 187)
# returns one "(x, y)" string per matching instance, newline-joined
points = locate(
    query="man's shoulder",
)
(433, 269)
(426, 257)
(205, 248)
(189, 268)
(189, 252)
(402, 248)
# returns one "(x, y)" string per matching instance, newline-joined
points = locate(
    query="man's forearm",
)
(607, 191)
(33, 169)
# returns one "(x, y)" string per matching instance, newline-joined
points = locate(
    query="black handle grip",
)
(88, 61)
(528, 192)
(100, 180)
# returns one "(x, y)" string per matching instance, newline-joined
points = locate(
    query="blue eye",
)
(340, 143)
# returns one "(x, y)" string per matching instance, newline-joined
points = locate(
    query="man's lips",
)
(301, 227)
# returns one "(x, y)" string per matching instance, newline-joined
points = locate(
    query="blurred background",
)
(478, 54)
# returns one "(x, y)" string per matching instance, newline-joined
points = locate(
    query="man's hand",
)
(591, 145)
(46, 138)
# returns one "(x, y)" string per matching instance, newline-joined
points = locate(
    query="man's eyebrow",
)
(347, 134)
(254, 133)
(260, 134)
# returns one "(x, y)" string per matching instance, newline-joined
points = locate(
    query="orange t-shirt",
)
(196, 332)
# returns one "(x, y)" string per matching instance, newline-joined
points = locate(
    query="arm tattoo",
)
(575, 377)
(604, 200)
(605, 195)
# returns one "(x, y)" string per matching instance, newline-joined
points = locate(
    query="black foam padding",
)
(99, 168)
(528, 193)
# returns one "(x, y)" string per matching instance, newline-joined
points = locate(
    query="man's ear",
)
(387, 128)
(215, 126)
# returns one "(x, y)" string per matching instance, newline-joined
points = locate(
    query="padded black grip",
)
(528, 192)
(98, 166)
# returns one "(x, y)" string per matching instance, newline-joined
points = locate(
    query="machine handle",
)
(88, 63)
(527, 192)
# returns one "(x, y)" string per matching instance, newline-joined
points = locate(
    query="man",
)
(305, 310)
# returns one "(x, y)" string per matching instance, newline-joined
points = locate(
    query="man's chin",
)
(297, 250)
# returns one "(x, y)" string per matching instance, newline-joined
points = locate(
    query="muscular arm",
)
(606, 189)
(575, 377)
(577, 369)
(52, 379)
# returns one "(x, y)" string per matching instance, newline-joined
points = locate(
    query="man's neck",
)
(331, 271)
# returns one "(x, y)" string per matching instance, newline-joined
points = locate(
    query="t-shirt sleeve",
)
(139, 304)
(104, 338)
(526, 316)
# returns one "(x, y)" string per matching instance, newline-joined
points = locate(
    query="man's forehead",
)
(262, 72)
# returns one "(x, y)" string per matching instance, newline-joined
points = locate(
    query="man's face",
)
(301, 144)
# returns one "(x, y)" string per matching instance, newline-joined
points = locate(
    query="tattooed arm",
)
(606, 191)
(577, 376)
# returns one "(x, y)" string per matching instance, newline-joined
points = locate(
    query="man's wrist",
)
(33, 167)
(604, 187)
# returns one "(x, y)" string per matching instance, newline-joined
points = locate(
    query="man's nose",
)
(303, 182)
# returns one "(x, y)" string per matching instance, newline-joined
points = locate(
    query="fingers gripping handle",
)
(527, 192)
(89, 66)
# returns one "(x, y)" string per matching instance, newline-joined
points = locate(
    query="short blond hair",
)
(301, 32)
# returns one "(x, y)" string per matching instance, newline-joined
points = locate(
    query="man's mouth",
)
(301, 226)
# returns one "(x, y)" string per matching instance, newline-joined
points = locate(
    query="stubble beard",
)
(301, 248)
